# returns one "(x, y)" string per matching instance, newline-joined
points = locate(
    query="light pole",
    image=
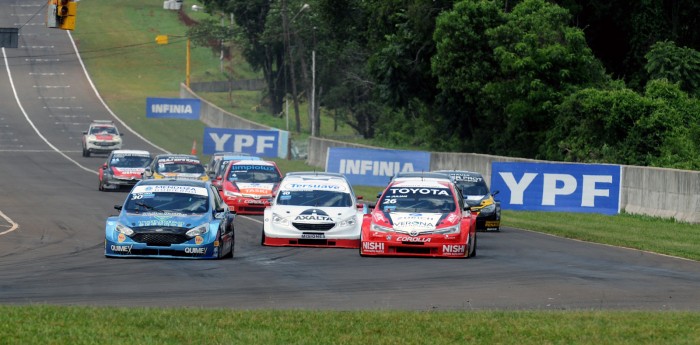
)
(314, 120)
(292, 74)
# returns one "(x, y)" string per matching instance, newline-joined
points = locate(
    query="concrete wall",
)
(658, 192)
(214, 116)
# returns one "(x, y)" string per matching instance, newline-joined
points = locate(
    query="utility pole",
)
(290, 61)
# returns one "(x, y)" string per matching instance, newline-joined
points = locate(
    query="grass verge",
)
(88, 325)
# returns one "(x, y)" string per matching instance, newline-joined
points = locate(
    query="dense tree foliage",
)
(589, 81)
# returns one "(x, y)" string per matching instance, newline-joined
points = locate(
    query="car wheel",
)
(87, 153)
(262, 238)
(101, 186)
(360, 250)
(84, 152)
(229, 255)
(473, 251)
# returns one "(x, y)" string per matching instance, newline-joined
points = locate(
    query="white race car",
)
(101, 137)
(313, 209)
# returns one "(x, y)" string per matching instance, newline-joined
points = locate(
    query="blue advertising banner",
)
(372, 167)
(584, 188)
(173, 108)
(255, 142)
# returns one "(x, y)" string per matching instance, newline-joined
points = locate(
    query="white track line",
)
(13, 226)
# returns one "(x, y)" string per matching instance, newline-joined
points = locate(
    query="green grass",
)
(657, 235)
(88, 325)
(127, 66)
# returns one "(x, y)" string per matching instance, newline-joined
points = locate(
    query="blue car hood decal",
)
(180, 220)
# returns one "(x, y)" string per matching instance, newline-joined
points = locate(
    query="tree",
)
(541, 60)
(665, 60)
(463, 62)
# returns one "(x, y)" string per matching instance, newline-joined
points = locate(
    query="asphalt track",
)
(52, 230)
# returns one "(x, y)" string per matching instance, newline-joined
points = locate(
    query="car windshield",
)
(473, 188)
(180, 167)
(166, 202)
(103, 130)
(316, 198)
(427, 200)
(254, 174)
(130, 161)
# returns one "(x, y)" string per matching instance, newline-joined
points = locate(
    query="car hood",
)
(474, 200)
(179, 220)
(128, 172)
(405, 221)
(309, 214)
(104, 137)
(182, 176)
(262, 189)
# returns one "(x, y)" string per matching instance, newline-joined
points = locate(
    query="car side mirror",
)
(148, 172)
(104, 166)
(118, 207)
(495, 193)
(84, 132)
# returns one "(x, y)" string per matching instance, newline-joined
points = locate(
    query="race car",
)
(216, 157)
(171, 219)
(102, 136)
(173, 166)
(313, 210)
(248, 185)
(216, 175)
(477, 195)
(420, 217)
(123, 168)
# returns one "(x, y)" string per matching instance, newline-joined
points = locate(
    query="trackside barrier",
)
(657, 192)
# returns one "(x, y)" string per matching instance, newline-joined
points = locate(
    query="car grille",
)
(158, 236)
(314, 226)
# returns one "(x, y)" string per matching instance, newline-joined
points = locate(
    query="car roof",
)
(463, 175)
(131, 152)
(254, 162)
(422, 176)
(170, 155)
(174, 182)
(240, 158)
(315, 181)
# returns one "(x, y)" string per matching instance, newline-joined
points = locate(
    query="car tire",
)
(87, 153)
(84, 152)
(101, 186)
(229, 255)
(360, 249)
(262, 237)
(473, 252)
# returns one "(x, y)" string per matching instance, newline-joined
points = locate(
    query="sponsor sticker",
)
(313, 236)
(198, 240)
(373, 247)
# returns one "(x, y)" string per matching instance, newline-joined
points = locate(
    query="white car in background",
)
(101, 137)
(313, 209)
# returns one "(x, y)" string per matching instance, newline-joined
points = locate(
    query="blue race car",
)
(171, 219)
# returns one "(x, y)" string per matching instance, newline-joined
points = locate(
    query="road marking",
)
(13, 226)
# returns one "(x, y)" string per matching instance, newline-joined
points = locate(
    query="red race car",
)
(123, 168)
(247, 186)
(418, 216)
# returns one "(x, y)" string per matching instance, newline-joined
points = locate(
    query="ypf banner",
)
(255, 142)
(173, 108)
(372, 167)
(586, 188)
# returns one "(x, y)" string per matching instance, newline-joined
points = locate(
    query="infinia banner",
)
(173, 108)
(560, 187)
(372, 167)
